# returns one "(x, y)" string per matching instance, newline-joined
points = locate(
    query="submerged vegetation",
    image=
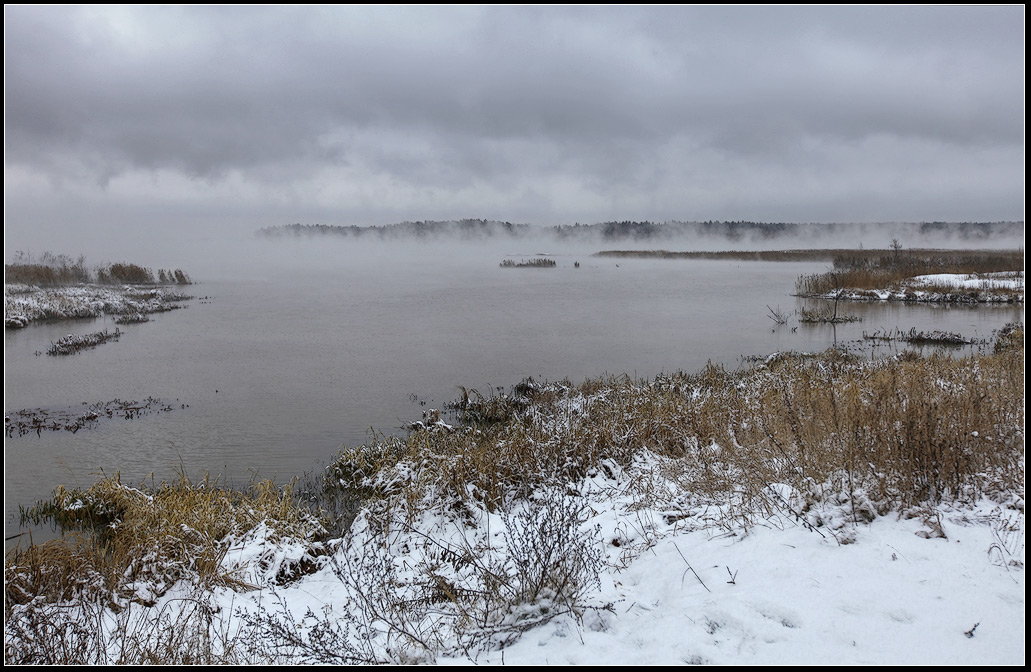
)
(72, 343)
(920, 337)
(539, 262)
(481, 523)
(41, 420)
(827, 316)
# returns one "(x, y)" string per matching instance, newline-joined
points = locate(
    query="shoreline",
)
(661, 503)
(27, 304)
(955, 288)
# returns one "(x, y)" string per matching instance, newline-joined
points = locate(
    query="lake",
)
(301, 346)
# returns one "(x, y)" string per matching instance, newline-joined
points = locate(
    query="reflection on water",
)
(273, 373)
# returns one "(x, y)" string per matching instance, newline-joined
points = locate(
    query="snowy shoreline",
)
(941, 288)
(25, 304)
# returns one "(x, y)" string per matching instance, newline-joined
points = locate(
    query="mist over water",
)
(302, 345)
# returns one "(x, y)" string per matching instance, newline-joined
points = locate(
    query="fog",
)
(236, 252)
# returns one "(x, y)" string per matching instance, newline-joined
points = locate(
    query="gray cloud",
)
(405, 112)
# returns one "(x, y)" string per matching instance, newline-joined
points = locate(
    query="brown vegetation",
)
(881, 269)
(907, 431)
(132, 537)
(58, 269)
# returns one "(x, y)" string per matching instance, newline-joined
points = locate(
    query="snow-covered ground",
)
(1008, 280)
(935, 586)
(890, 597)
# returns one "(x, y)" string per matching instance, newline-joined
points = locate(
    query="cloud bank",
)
(248, 117)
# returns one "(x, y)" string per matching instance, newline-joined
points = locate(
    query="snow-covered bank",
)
(24, 304)
(987, 281)
(941, 586)
(943, 288)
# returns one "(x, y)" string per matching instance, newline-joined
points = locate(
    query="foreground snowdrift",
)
(945, 586)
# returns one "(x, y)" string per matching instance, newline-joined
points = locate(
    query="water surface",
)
(286, 361)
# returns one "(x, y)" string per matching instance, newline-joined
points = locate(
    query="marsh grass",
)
(71, 344)
(51, 270)
(826, 316)
(906, 430)
(920, 337)
(133, 543)
(876, 270)
(29, 304)
(539, 262)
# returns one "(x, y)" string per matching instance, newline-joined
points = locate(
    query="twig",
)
(691, 568)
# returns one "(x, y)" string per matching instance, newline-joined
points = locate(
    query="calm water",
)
(284, 363)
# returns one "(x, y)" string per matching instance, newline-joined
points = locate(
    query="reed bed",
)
(865, 271)
(56, 270)
(906, 431)
(71, 344)
(920, 337)
(826, 316)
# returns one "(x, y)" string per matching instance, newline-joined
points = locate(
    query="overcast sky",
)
(248, 117)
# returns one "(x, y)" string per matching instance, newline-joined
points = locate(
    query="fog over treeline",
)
(627, 230)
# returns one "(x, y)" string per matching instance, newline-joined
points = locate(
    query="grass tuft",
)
(133, 543)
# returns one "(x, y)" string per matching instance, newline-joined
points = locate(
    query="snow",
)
(933, 586)
(1007, 280)
(1005, 287)
(891, 597)
(24, 304)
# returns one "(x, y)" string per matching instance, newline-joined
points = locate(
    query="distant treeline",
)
(464, 228)
(59, 269)
(644, 230)
(987, 261)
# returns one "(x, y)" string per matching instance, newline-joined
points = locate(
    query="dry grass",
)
(133, 543)
(906, 431)
(883, 269)
(51, 270)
